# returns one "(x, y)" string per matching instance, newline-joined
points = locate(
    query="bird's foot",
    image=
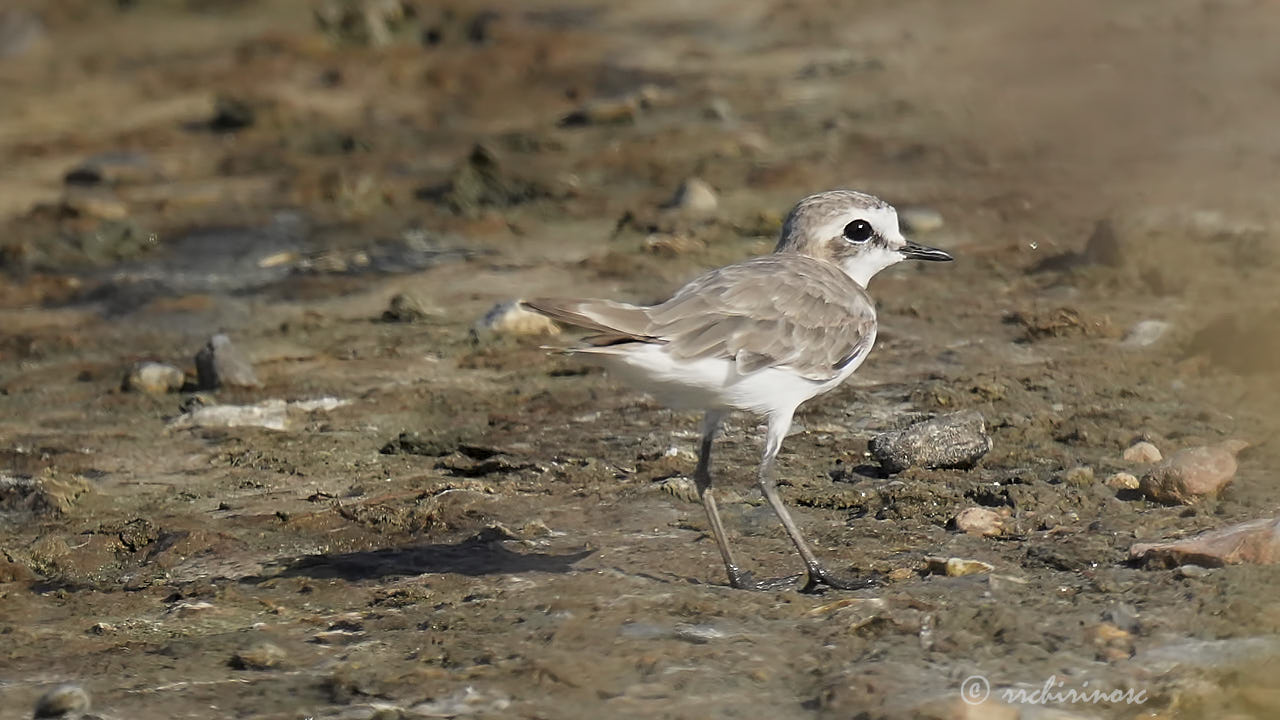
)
(744, 580)
(819, 577)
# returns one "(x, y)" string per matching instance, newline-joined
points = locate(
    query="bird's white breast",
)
(715, 383)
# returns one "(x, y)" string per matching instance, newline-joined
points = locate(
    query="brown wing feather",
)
(782, 310)
(615, 320)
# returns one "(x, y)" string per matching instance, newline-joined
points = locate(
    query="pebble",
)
(62, 700)
(153, 378)
(603, 112)
(695, 197)
(672, 245)
(262, 656)
(1145, 333)
(1123, 481)
(404, 308)
(955, 440)
(979, 521)
(338, 637)
(191, 609)
(719, 109)
(20, 32)
(1253, 542)
(1191, 571)
(467, 701)
(1192, 473)
(510, 319)
(681, 488)
(49, 493)
(1081, 476)
(270, 414)
(918, 220)
(957, 567)
(221, 363)
(1143, 452)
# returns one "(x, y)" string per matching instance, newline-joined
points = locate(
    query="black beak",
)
(915, 251)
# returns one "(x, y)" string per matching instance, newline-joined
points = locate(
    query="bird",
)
(763, 336)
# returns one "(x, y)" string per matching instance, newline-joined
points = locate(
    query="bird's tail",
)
(614, 322)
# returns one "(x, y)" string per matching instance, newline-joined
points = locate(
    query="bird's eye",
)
(858, 231)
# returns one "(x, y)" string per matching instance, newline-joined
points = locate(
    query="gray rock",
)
(979, 521)
(404, 308)
(1254, 542)
(1145, 333)
(918, 220)
(513, 320)
(222, 363)
(20, 32)
(1192, 473)
(955, 440)
(1142, 452)
(62, 701)
(263, 656)
(695, 197)
(1123, 481)
(152, 378)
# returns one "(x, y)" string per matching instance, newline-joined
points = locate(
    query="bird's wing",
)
(781, 310)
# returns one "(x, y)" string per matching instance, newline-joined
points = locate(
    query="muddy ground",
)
(486, 530)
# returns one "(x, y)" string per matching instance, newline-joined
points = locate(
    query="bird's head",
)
(856, 231)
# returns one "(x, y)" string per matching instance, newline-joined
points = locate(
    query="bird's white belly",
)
(714, 383)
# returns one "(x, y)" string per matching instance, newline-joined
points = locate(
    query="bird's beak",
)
(916, 251)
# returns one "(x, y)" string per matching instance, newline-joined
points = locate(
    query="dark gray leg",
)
(817, 574)
(702, 478)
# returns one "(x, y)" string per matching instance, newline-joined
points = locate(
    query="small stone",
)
(979, 521)
(404, 308)
(955, 440)
(1104, 246)
(1254, 542)
(1143, 452)
(262, 656)
(191, 609)
(694, 197)
(899, 574)
(1123, 481)
(222, 363)
(1145, 333)
(338, 637)
(1191, 571)
(152, 378)
(510, 318)
(13, 571)
(102, 628)
(1079, 477)
(21, 31)
(49, 493)
(681, 488)
(61, 701)
(919, 220)
(603, 112)
(672, 245)
(231, 114)
(102, 205)
(719, 109)
(957, 567)
(1192, 473)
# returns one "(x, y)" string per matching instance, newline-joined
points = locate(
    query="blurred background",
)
(355, 191)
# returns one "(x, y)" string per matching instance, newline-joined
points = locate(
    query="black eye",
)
(858, 231)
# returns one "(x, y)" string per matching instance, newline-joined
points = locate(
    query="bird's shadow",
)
(474, 557)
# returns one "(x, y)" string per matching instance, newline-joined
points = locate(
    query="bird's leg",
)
(817, 574)
(702, 479)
